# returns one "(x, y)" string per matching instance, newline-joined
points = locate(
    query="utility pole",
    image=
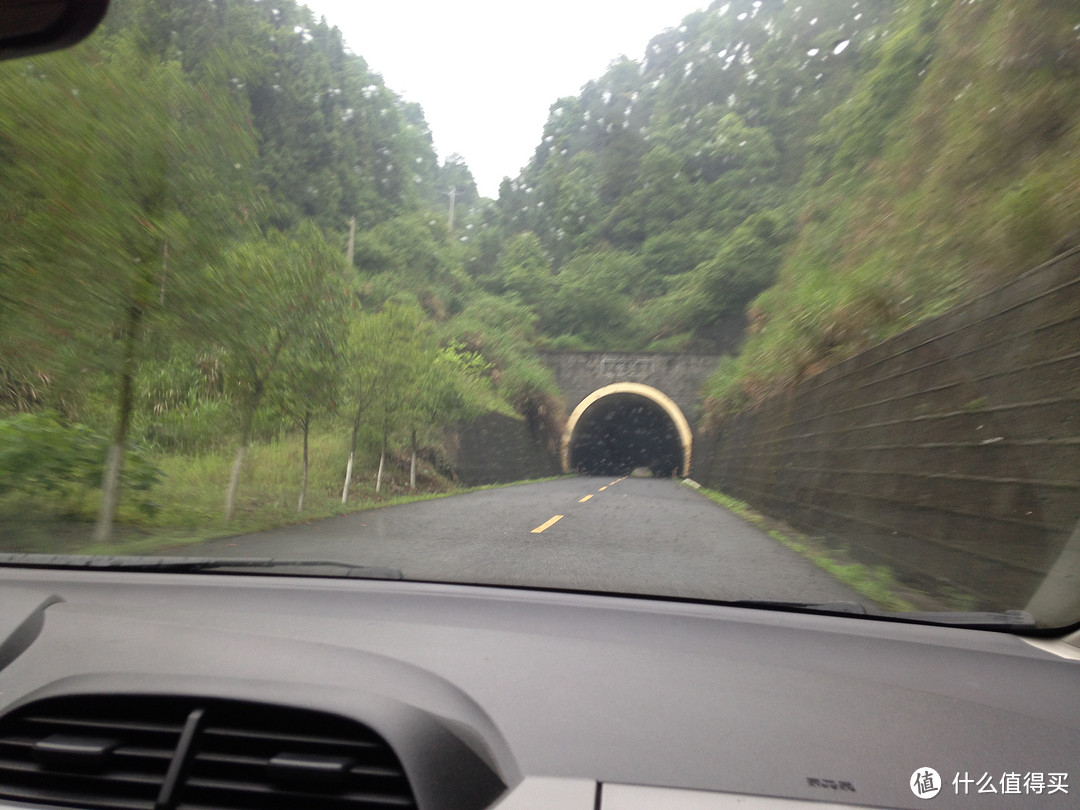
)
(452, 193)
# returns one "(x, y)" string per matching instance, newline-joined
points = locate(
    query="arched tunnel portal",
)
(623, 426)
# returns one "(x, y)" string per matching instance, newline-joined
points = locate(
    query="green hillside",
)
(969, 178)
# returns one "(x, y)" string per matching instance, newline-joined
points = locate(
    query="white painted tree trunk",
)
(348, 479)
(304, 476)
(110, 493)
(234, 483)
(412, 462)
(110, 484)
(382, 462)
(352, 455)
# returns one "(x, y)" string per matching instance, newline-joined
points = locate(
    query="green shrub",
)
(41, 453)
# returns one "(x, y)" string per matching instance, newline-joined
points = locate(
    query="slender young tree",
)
(108, 153)
(381, 349)
(311, 368)
(271, 304)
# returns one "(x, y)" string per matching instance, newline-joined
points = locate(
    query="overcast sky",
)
(486, 71)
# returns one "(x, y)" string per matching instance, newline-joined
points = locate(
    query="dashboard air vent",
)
(171, 753)
(248, 756)
(93, 752)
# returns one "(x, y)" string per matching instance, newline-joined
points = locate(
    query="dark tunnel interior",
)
(621, 432)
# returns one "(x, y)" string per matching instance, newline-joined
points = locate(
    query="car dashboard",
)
(123, 689)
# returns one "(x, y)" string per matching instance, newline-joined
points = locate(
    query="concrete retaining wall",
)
(497, 449)
(950, 453)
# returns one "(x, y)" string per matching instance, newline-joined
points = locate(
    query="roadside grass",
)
(187, 507)
(875, 583)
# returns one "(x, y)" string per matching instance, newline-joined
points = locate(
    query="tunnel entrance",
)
(621, 427)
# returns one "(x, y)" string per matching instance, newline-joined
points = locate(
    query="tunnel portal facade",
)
(632, 409)
(628, 410)
(625, 426)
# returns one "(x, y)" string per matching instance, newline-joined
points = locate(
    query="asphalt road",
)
(632, 535)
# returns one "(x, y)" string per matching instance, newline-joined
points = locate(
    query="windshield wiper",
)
(199, 564)
(808, 607)
(977, 620)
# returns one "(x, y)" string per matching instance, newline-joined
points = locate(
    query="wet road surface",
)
(632, 535)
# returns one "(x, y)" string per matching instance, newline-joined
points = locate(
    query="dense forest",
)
(221, 228)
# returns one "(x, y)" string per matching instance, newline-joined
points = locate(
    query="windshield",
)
(766, 300)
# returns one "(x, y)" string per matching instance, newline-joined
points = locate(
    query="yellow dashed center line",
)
(547, 525)
(582, 500)
(603, 488)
